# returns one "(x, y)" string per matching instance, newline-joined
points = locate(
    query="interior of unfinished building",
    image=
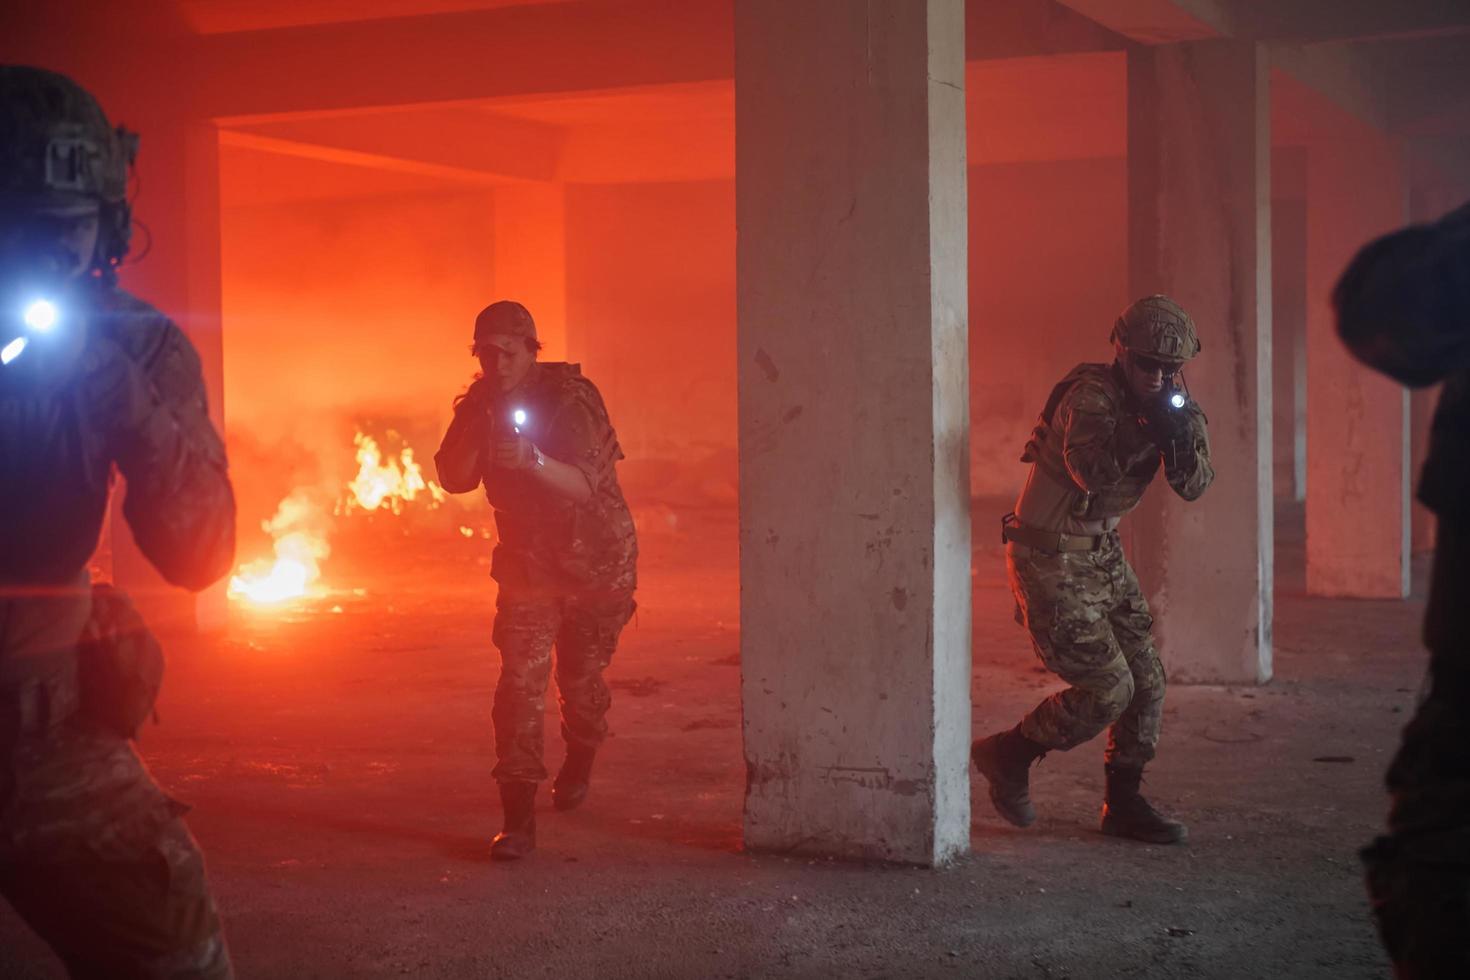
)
(729, 212)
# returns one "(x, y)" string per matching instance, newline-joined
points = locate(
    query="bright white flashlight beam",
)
(1176, 400)
(519, 417)
(41, 315)
(12, 350)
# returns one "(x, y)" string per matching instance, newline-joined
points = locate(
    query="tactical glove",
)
(1165, 425)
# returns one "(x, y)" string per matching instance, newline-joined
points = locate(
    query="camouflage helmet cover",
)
(1157, 327)
(56, 146)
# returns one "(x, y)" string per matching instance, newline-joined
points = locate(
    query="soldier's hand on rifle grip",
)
(513, 451)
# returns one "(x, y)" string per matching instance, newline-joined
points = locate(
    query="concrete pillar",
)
(1199, 190)
(1422, 403)
(1289, 346)
(853, 390)
(531, 258)
(1357, 420)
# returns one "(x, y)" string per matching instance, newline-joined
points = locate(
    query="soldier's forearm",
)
(563, 479)
(458, 468)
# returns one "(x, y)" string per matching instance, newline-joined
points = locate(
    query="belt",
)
(1013, 530)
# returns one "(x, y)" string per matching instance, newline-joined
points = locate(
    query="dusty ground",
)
(339, 765)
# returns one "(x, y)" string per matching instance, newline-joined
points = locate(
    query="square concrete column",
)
(853, 390)
(1199, 193)
(1289, 345)
(1357, 419)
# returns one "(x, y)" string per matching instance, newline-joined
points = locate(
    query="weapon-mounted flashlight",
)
(1177, 400)
(518, 419)
(41, 315)
(38, 317)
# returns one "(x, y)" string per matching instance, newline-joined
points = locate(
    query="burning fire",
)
(300, 546)
(301, 526)
(391, 482)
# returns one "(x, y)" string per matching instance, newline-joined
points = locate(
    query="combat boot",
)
(1004, 759)
(570, 788)
(1126, 813)
(518, 838)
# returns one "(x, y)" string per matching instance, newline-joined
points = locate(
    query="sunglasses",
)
(1149, 365)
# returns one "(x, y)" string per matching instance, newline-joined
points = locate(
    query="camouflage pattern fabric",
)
(92, 853)
(1096, 445)
(584, 630)
(136, 400)
(99, 863)
(1089, 623)
(567, 570)
(547, 543)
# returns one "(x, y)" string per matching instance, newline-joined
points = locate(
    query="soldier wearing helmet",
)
(92, 853)
(537, 437)
(1104, 434)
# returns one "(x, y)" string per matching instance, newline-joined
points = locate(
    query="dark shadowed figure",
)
(1403, 307)
(93, 855)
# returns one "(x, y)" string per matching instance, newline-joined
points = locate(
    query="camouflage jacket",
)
(133, 397)
(548, 542)
(129, 394)
(1091, 441)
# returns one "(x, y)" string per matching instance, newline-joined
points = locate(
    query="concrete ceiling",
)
(231, 16)
(1063, 107)
(1287, 21)
(575, 109)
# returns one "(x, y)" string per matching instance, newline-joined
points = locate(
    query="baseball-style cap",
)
(503, 325)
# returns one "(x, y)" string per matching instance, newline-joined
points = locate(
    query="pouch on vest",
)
(119, 665)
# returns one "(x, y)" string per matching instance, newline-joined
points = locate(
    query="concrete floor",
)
(338, 764)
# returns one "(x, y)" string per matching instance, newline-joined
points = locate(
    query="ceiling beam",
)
(1160, 21)
(1029, 28)
(353, 158)
(1317, 21)
(452, 140)
(1286, 21)
(556, 47)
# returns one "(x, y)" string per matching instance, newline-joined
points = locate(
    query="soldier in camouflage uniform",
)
(92, 854)
(539, 439)
(1104, 434)
(1403, 307)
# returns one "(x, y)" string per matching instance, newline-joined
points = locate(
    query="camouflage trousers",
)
(584, 629)
(93, 855)
(1089, 623)
(98, 861)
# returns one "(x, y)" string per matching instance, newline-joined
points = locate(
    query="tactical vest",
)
(1045, 447)
(546, 539)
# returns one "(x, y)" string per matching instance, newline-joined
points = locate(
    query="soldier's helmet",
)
(1156, 327)
(57, 150)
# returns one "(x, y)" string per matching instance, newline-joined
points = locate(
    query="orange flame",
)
(388, 482)
(300, 547)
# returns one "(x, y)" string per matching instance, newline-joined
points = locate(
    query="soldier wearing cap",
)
(537, 437)
(92, 853)
(1104, 434)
